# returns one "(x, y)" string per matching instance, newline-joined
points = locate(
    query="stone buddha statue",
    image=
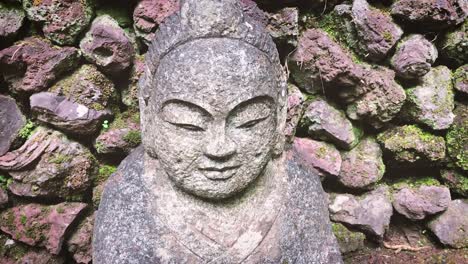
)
(211, 182)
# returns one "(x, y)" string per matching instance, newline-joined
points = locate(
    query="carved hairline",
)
(173, 34)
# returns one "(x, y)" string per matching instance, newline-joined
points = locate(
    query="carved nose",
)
(220, 147)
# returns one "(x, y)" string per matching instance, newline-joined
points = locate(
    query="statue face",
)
(212, 119)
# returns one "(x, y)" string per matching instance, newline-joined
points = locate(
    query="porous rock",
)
(432, 14)
(12, 252)
(410, 144)
(62, 20)
(414, 57)
(321, 156)
(108, 46)
(283, 25)
(348, 240)
(66, 115)
(460, 79)
(456, 181)
(296, 108)
(129, 93)
(432, 101)
(367, 30)
(454, 45)
(325, 122)
(79, 244)
(418, 203)
(11, 21)
(363, 165)
(49, 165)
(34, 63)
(369, 213)
(457, 137)
(451, 227)
(122, 136)
(11, 122)
(40, 225)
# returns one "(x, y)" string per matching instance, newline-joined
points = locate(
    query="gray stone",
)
(283, 25)
(11, 20)
(296, 108)
(414, 57)
(418, 203)
(460, 79)
(108, 46)
(362, 166)
(369, 213)
(325, 122)
(11, 122)
(451, 227)
(211, 182)
(432, 101)
(348, 240)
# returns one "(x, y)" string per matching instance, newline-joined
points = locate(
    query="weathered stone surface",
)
(367, 30)
(451, 227)
(430, 13)
(363, 165)
(319, 63)
(454, 45)
(382, 97)
(283, 25)
(325, 122)
(219, 190)
(12, 252)
(431, 102)
(108, 46)
(66, 115)
(129, 93)
(296, 108)
(49, 165)
(418, 203)
(457, 137)
(11, 20)
(79, 244)
(456, 181)
(40, 225)
(460, 79)
(3, 197)
(370, 213)
(148, 14)
(11, 122)
(62, 20)
(348, 240)
(122, 136)
(414, 57)
(410, 144)
(321, 156)
(33, 64)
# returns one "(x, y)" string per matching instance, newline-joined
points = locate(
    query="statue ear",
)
(282, 115)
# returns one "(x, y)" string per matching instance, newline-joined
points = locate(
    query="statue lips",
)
(219, 173)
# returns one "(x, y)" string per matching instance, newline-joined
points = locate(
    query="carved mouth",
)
(219, 173)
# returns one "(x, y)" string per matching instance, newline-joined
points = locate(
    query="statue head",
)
(212, 99)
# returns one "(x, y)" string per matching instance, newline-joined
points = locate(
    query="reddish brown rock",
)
(40, 225)
(129, 93)
(11, 122)
(414, 57)
(3, 197)
(321, 156)
(49, 165)
(11, 20)
(148, 14)
(325, 122)
(451, 227)
(62, 20)
(295, 110)
(79, 244)
(456, 180)
(12, 252)
(362, 166)
(108, 46)
(434, 14)
(33, 64)
(418, 203)
(122, 136)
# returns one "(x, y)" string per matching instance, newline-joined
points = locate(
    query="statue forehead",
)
(216, 72)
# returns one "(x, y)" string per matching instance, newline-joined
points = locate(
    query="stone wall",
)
(378, 106)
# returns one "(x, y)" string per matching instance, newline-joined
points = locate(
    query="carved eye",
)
(189, 127)
(252, 123)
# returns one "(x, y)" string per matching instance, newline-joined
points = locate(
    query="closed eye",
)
(252, 123)
(188, 126)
